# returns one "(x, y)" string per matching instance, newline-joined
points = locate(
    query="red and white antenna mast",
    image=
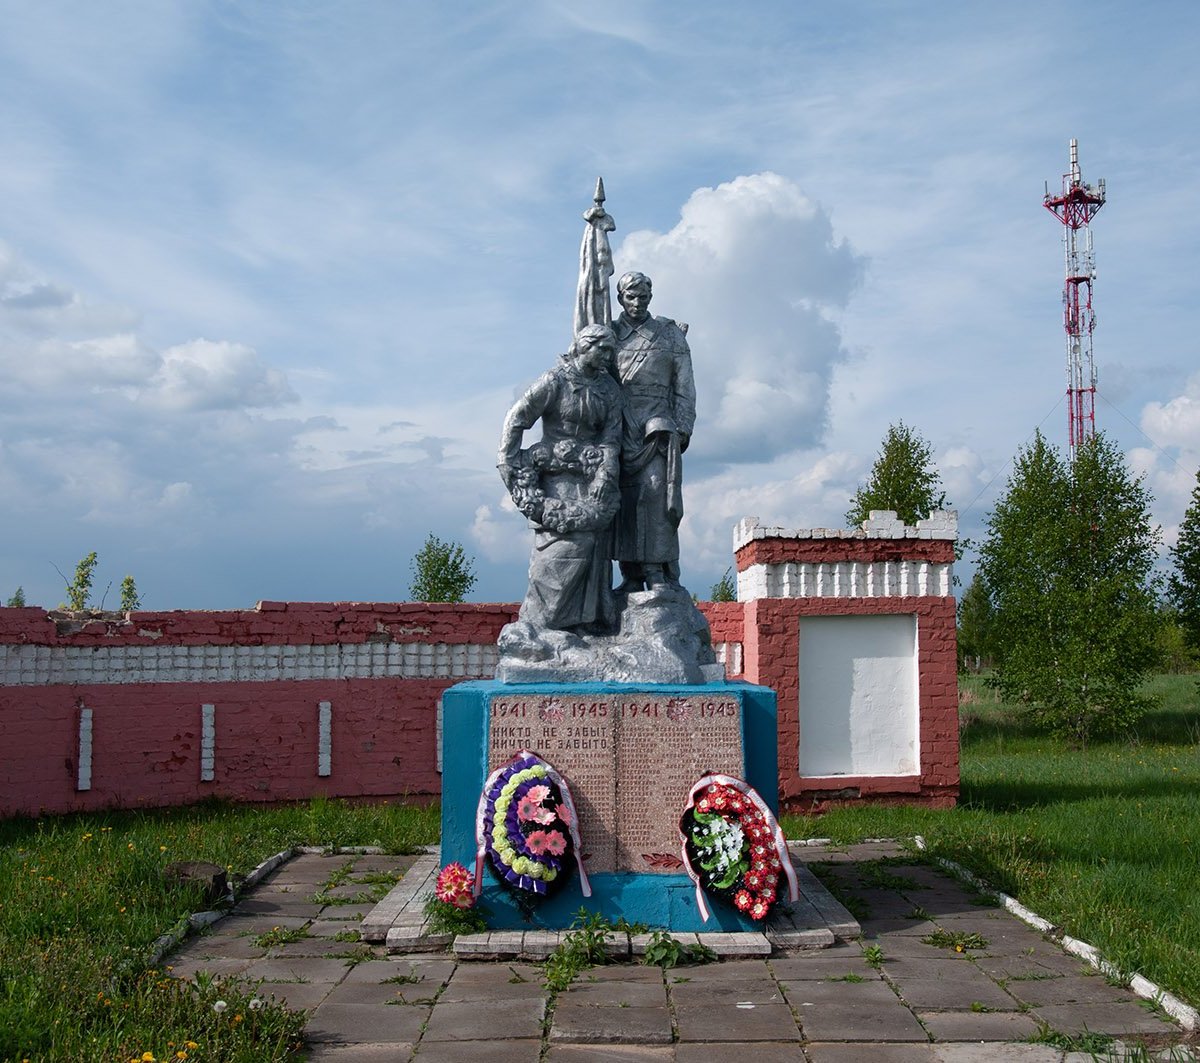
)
(1075, 208)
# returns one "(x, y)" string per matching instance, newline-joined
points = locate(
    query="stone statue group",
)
(605, 482)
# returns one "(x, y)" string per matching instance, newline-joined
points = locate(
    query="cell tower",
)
(1075, 208)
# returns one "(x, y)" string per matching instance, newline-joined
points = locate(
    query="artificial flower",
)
(529, 809)
(556, 844)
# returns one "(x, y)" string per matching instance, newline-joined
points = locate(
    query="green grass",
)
(83, 898)
(1102, 841)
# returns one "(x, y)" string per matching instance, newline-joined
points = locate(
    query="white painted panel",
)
(858, 695)
(208, 742)
(83, 777)
(324, 737)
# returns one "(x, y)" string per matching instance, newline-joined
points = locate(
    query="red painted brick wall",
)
(146, 734)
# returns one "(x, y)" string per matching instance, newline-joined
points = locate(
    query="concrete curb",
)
(815, 921)
(1184, 1014)
(197, 921)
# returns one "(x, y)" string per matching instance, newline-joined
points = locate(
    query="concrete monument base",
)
(630, 755)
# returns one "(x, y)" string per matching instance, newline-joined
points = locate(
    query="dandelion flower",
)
(255, 1004)
(220, 1006)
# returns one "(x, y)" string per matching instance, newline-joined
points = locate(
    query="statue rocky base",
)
(661, 638)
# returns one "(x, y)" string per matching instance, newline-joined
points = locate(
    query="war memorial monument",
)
(610, 764)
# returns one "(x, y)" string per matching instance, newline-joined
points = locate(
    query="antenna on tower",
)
(1075, 208)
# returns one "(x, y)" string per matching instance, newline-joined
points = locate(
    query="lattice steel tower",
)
(1075, 208)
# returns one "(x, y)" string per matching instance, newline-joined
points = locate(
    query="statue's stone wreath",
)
(591, 512)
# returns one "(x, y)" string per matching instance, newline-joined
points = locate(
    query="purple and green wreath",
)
(526, 828)
(733, 847)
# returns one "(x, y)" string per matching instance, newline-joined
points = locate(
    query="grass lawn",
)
(82, 899)
(1101, 841)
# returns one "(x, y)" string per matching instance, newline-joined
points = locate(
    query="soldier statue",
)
(654, 367)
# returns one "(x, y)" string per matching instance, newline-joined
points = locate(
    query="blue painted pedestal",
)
(658, 900)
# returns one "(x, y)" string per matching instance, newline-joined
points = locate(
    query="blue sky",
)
(270, 275)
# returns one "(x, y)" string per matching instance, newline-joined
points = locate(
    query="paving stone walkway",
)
(889, 998)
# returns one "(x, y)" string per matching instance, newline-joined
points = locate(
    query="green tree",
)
(17, 601)
(1068, 564)
(1174, 653)
(1183, 587)
(903, 479)
(441, 571)
(975, 615)
(725, 589)
(79, 586)
(130, 599)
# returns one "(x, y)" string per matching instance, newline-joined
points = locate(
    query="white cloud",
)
(207, 375)
(1175, 422)
(501, 532)
(756, 268)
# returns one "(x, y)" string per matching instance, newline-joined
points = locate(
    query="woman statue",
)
(568, 484)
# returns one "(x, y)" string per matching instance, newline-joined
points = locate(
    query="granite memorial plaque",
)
(630, 760)
(665, 744)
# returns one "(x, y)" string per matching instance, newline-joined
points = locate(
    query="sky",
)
(272, 274)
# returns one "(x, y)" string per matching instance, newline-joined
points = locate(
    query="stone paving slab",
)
(1069, 989)
(736, 1021)
(834, 963)
(577, 1053)
(360, 1053)
(590, 1024)
(755, 1051)
(526, 1050)
(743, 993)
(875, 993)
(973, 1026)
(297, 969)
(486, 1020)
(963, 989)
(299, 996)
(852, 1022)
(504, 982)
(610, 993)
(1117, 1018)
(920, 1003)
(376, 1023)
